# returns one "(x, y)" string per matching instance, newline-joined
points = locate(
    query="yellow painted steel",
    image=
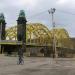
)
(39, 34)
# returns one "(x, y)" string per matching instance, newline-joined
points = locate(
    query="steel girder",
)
(39, 34)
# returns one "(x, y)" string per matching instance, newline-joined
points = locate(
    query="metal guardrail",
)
(15, 42)
(11, 42)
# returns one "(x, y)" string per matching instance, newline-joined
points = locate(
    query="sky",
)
(37, 12)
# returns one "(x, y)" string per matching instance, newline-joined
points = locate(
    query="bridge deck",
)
(15, 42)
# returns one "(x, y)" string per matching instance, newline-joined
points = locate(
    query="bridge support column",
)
(21, 30)
(2, 29)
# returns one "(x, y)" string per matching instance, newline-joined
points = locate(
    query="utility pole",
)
(52, 11)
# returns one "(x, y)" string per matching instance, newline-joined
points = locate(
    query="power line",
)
(58, 10)
(35, 15)
(62, 11)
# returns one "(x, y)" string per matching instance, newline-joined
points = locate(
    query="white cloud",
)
(28, 3)
(66, 3)
(62, 1)
(25, 4)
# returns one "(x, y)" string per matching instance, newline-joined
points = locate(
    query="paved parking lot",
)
(37, 66)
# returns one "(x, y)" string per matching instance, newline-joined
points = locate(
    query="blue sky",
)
(11, 9)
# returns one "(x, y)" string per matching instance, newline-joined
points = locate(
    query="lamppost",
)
(52, 11)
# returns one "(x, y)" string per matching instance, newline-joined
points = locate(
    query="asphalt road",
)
(37, 66)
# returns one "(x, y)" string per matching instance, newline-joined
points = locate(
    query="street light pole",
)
(52, 11)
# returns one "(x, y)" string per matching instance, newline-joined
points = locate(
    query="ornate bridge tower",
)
(21, 29)
(2, 26)
(2, 30)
